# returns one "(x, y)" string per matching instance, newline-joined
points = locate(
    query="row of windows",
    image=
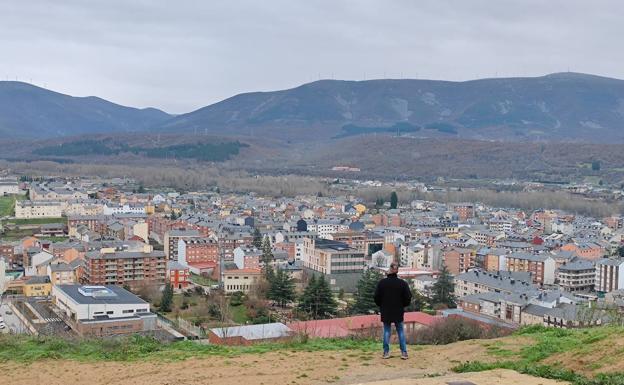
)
(237, 287)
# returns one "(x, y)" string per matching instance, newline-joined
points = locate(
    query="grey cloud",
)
(183, 55)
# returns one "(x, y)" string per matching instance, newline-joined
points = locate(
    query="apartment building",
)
(178, 275)
(339, 263)
(463, 210)
(609, 275)
(247, 257)
(197, 250)
(38, 209)
(541, 266)
(132, 268)
(587, 250)
(44, 192)
(62, 273)
(9, 187)
(354, 239)
(577, 275)
(459, 260)
(325, 227)
(479, 281)
(172, 237)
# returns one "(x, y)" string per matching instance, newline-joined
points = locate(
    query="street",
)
(12, 322)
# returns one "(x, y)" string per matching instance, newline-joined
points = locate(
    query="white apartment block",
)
(331, 257)
(38, 209)
(609, 275)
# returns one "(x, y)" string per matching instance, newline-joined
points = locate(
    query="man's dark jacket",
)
(392, 295)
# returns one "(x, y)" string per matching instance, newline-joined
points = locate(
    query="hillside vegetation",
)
(581, 357)
(214, 152)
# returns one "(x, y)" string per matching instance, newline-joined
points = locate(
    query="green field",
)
(202, 280)
(239, 314)
(7, 204)
(36, 221)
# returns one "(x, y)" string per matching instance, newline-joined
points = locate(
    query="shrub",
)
(454, 329)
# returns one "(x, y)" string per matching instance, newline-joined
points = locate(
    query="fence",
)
(183, 325)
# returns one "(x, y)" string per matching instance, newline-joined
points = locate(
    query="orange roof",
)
(244, 271)
(202, 265)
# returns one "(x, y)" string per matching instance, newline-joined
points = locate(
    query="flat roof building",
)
(102, 310)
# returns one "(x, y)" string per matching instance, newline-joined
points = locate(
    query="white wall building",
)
(93, 302)
(38, 209)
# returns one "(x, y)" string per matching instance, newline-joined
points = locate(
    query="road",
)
(12, 322)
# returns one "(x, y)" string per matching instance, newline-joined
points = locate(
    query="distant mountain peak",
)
(29, 111)
(586, 108)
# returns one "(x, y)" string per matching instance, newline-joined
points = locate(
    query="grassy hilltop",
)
(581, 357)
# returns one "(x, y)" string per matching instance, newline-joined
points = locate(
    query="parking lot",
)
(13, 324)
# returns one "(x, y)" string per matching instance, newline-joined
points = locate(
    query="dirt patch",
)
(491, 377)
(341, 367)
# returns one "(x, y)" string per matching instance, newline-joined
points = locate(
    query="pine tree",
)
(282, 288)
(326, 305)
(365, 296)
(305, 301)
(317, 300)
(167, 299)
(269, 274)
(444, 289)
(267, 251)
(257, 239)
(394, 200)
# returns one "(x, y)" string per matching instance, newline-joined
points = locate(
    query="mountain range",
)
(556, 107)
(28, 111)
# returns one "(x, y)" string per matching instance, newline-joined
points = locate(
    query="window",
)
(110, 312)
(128, 311)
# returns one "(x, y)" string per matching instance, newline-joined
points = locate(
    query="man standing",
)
(392, 295)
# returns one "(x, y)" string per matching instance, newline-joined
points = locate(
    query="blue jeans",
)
(387, 326)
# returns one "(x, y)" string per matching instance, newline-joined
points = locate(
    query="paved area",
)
(13, 323)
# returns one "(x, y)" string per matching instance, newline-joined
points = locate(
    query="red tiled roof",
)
(342, 327)
(244, 271)
(202, 265)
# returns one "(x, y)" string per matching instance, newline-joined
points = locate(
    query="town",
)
(99, 258)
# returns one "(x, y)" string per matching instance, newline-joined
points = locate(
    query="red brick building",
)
(135, 269)
(463, 210)
(198, 250)
(459, 260)
(178, 275)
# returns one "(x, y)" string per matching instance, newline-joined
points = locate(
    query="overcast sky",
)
(182, 55)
